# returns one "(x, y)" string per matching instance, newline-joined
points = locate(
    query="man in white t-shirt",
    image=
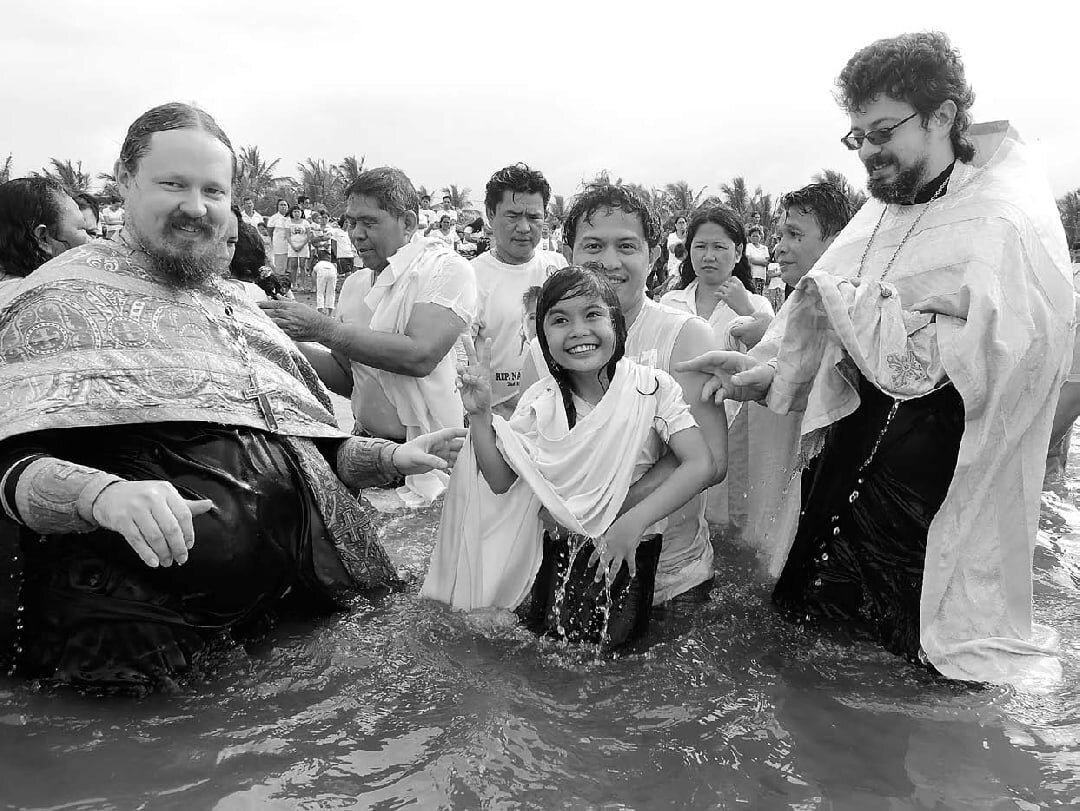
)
(447, 207)
(343, 251)
(248, 213)
(112, 219)
(758, 257)
(515, 198)
(278, 225)
(427, 215)
(305, 206)
(391, 346)
(675, 238)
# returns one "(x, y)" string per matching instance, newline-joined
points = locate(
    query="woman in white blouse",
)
(715, 283)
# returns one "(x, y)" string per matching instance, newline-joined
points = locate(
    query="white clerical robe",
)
(979, 295)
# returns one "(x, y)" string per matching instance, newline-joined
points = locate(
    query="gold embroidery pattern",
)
(906, 369)
(97, 342)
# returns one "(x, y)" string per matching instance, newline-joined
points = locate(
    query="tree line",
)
(325, 183)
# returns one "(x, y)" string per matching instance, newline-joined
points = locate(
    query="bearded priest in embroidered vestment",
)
(925, 348)
(171, 472)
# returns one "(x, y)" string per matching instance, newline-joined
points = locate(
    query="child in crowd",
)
(269, 282)
(285, 292)
(325, 284)
(574, 445)
(528, 319)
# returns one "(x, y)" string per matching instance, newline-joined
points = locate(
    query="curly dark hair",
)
(825, 201)
(729, 221)
(922, 69)
(516, 178)
(609, 196)
(571, 282)
(26, 203)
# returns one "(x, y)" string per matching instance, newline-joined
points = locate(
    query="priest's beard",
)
(185, 265)
(904, 184)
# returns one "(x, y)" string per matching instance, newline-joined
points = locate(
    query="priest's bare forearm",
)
(428, 336)
(332, 368)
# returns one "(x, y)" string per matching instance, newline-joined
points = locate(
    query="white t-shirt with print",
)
(758, 257)
(500, 312)
(296, 229)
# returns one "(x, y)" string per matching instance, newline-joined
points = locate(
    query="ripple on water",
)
(724, 705)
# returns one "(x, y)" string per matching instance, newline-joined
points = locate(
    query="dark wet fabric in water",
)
(96, 615)
(858, 556)
(566, 600)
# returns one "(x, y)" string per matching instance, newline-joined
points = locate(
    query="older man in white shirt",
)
(391, 345)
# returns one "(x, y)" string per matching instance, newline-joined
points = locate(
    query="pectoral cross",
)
(259, 396)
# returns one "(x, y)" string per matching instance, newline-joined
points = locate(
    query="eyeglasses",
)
(876, 137)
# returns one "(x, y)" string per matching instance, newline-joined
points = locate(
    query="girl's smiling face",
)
(580, 334)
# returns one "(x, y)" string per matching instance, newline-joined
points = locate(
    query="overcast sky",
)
(451, 91)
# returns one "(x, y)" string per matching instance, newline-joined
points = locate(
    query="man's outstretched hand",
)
(299, 321)
(734, 376)
(153, 517)
(435, 451)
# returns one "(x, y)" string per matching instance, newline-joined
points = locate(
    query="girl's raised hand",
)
(474, 381)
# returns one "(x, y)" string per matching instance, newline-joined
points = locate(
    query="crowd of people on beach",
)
(865, 397)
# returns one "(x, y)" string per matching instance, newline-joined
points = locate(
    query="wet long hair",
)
(250, 254)
(567, 283)
(729, 221)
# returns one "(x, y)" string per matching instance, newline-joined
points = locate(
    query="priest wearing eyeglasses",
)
(925, 350)
(172, 477)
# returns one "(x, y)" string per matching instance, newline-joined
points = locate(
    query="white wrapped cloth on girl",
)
(489, 546)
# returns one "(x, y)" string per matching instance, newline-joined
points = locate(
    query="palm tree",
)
(350, 168)
(5, 170)
(1069, 208)
(736, 196)
(557, 206)
(111, 189)
(321, 182)
(657, 200)
(459, 196)
(255, 177)
(602, 178)
(69, 175)
(682, 197)
(762, 204)
(855, 197)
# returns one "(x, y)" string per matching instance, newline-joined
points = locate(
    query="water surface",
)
(406, 705)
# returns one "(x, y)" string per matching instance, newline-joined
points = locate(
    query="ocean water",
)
(407, 705)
